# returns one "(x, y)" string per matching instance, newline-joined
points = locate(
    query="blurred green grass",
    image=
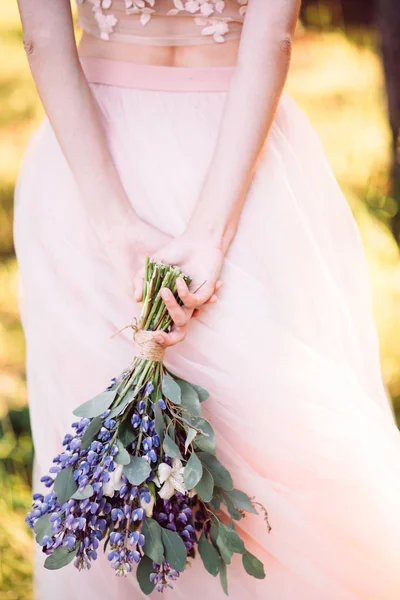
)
(340, 86)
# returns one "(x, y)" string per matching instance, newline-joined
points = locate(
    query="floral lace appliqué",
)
(205, 12)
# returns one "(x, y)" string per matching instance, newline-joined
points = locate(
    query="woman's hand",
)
(199, 258)
(126, 245)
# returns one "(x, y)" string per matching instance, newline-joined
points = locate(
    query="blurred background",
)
(344, 76)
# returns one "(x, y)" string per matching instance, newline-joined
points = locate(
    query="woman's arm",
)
(75, 117)
(263, 63)
(255, 90)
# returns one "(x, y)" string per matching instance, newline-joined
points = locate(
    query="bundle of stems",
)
(140, 474)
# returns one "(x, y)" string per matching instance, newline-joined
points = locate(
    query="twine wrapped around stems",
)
(146, 346)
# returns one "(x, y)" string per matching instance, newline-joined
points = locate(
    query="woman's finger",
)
(176, 335)
(138, 284)
(192, 301)
(213, 299)
(178, 314)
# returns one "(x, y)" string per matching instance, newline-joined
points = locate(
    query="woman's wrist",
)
(218, 232)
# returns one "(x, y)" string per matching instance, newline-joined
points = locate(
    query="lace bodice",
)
(162, 22)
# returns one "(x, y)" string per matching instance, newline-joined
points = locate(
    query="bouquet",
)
(139, 474)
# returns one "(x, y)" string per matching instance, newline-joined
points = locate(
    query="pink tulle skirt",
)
(289, 352)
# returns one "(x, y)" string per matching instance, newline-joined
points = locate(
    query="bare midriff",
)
(204, 55)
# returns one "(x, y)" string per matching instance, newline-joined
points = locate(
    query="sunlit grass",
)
(340, 87)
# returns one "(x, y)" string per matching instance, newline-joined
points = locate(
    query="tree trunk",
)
(388, 21)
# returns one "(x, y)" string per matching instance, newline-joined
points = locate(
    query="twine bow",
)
(146, 347)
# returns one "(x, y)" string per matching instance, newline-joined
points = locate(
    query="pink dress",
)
(297, 400)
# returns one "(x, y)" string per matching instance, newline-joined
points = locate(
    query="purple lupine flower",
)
(149, 388)
(163, 575)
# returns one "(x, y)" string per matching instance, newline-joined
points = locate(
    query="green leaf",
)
(170, 448)
(192, 472)
(96, 406)
(174, 549)
(137, 471)
(170, 427)
(190, 435)
(205, 487)
(209, 556)
(90, 433)
(206, 440)
(214, 531)
(126, 433)
(231, 538)
(122, 457)
(253, 566)
(65, 485)
(221, 475)
(83, 494)
(241, 500)
(60, 557)
(143, 572)
(224, 546)
(201, 392)
(130, 395)
(233, 511)
(158, 419)
(215, 503)
(223, 577)
(153, 546)
(171, 389)
(189, 398)
(43, 528)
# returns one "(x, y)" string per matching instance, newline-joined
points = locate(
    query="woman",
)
(167, 134)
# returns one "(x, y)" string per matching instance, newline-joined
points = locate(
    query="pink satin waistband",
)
(155, 77)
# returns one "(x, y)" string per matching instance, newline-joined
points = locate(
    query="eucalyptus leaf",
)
(214, 531)
(223, 577)
(206, 440)
(201, 392)
(170, 448)
(83, 494)
(122, 457)
(153, 546)
(158, 419)
(61, 557)
(224, 546)
(170, 427)
(209, 556)
(43, 528)
(174, 549)
(253, 566)
(233, 511)
(221, 475)
(190, 436)
(171, 389)
(97, 405)
(143, 572)
(65, 485)
(126, 433)
(137, 471)
(241, 501)
(205, 486)
(192, 472)
(129, 396)
(90, 433)
(189, 398)
(231, 538)
(215, 503)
